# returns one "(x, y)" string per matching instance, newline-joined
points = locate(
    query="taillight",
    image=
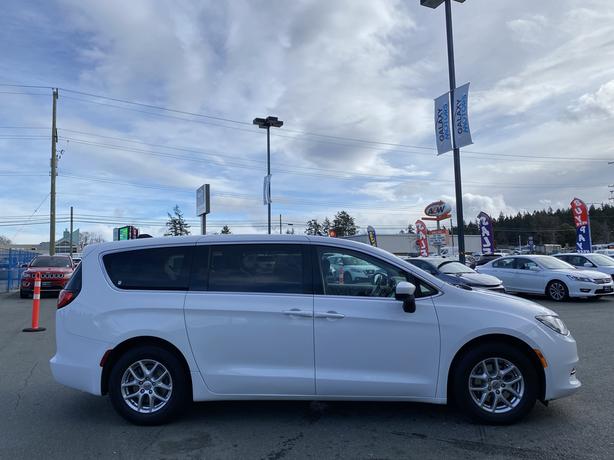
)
(65, 298)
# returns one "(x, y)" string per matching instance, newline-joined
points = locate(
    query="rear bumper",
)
(76, 363)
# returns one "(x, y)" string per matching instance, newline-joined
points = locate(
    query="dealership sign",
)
(438, 209)
(579, 211)
(452, 120)
(487, 239)
(422, 238)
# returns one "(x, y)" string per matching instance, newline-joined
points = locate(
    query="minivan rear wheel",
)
(495, 383)
(148, 385)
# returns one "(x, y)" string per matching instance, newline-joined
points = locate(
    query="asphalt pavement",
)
(42, 419)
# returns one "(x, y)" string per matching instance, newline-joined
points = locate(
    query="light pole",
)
(457, 166)
(266, 123)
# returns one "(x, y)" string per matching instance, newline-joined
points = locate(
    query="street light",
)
(266, 123)
(457, 166)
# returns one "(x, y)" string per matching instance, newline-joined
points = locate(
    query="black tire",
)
(461, 382)
(180, 384)
(555, 288)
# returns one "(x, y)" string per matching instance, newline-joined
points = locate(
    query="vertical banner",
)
(422, 238)
(372, 236)
(486, 233)
(266, 189)
(462, 133)
(579, 211)
(442, 124)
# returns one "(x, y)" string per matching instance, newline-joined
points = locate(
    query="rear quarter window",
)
(150, 269)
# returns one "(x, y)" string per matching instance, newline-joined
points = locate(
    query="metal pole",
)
(268, 168)
(71, 222)
(438, 235)
(457, 166)
(54, 164)
(280, 224)
(203, 224)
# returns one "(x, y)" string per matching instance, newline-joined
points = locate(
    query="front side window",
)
(504, 263)
(363, 276)
(271, 268)
(150, 269)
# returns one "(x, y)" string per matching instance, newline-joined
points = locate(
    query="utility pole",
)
(71, 231)
(280, 224)
(54, 167)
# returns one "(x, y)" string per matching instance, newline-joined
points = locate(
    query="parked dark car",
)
(453, 272)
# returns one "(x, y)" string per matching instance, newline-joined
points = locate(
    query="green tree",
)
(4, 241)
(326, 226)
(176, 224)
(225, 230)
(344, 224)
(313, 227)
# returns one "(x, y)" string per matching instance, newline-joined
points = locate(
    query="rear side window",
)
(271, 268)
(150, 269)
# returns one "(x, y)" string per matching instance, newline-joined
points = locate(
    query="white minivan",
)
(155, 323)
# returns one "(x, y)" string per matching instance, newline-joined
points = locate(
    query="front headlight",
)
(581, 278)
(553, 322)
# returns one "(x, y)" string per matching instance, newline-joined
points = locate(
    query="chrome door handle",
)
(297, 312)
(329, 315)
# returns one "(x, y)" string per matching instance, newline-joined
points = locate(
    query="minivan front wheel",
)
(496, 383)
(148, 385)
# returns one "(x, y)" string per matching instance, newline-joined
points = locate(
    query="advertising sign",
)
(462, 133)
(202, 200)
(422, 238)
(579, 211)
(487, 238)
(266, 190)
(443, 135)
(438, 209)
(372, 236)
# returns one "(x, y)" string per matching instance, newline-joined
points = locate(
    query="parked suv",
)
(155, 323)
(55, 271)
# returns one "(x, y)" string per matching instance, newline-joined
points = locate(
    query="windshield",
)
(453, 268)
(601, 260)
(51, 261)
(553, 262)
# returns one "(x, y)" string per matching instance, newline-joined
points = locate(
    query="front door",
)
(249, 317)
(365, 344)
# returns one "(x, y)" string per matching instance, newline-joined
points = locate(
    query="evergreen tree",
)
(225, 230)
(344, 224)
(176, 224)
(313, 227)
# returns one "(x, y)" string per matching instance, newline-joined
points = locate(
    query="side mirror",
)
(533, 268)
(405, 291)
(588, 264)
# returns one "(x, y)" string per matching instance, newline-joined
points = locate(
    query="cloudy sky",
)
(353, 81)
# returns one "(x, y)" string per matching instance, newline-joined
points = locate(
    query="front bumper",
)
(562, 358)
(585, 289)
(27, 285)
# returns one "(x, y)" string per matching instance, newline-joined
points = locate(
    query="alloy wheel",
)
(146, 386)
(557, 291)
(496, 385)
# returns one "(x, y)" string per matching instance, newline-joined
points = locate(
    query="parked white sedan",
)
(593, 262)
(548, 275)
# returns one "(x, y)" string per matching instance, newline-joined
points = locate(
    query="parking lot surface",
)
(41, 418)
